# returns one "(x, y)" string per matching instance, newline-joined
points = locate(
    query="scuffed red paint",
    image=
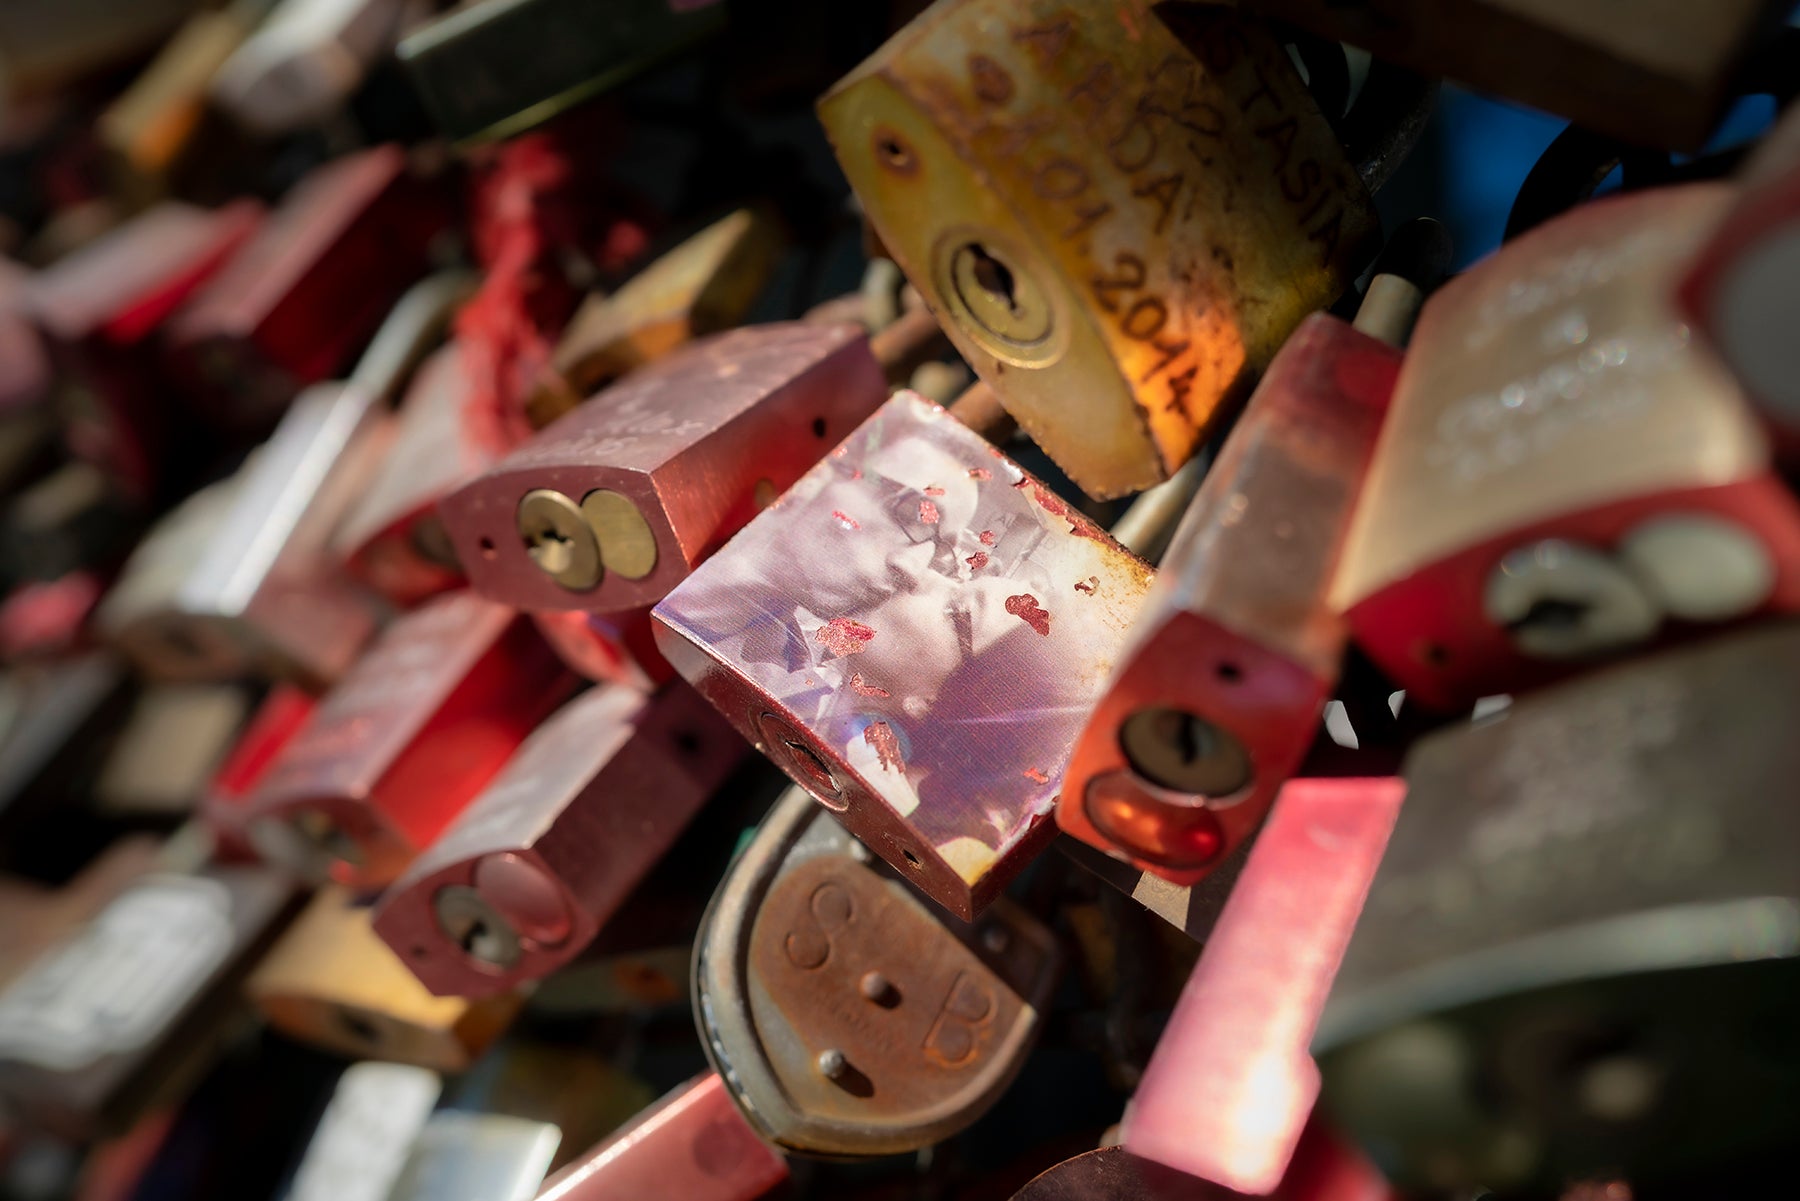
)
(1032, 773)
(880, 735)
(864, 689)
(987, 538)
(934, 490)
(977, 561)
(1088, 585)
(928, 512)
(844, 519)
(1025, 607)
(980, 473)
(844, 636)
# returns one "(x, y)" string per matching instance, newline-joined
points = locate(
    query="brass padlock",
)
(1118, 219)
(164, 758)
(848, 1017)
(914, 633)
(1582, 943)
(333, 983)
(1563, 475)
(704, 285)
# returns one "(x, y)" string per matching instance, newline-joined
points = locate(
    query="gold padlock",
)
(1118, 219)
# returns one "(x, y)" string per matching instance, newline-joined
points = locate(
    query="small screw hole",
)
(912, 860)
(1434, 654)
(893, 151)
(1230, 672)
(487, 548)
(818, 427)
(687, 742)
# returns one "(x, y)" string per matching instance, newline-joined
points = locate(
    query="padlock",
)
(99, 309)
(1582, 790)
(239, 580)
(1742, 279)
(616, 503)
(224, 807)
(1218, 697)
(310, 288)
(305, 60)
(1119, 215)
(485, 1155)
(1324, 1169)
(172, 743)
(847, 1017)
(331, 982)
(409, 736)
(493, 69)
(915, 633)
(691, 1144)
(1582, 928)
(1230, 1085)
(1653, 77)
(1563, 473)
(368, 1129)
(525, 878)
(393, 539)
(125, 1012)
(38, 918)
(704, 285)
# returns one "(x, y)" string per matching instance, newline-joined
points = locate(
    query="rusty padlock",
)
(848, 1017)
(1219, 695)
(531, 870)
(1563, 474)
(914, 633)
(1120, 214)
(410, 735)
(616, 503)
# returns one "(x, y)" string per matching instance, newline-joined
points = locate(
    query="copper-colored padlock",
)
(224, 806)
(407, 739)
(310, 288)
(525, 878)
(914, 633)
(613, 505)
(704, 285)
(1119, 214)
(1563, 474)
(99, 309)
(130, 1008)
(1230, 1085)
(331, 981)
(1219, 694)
(848, 1017)
(1741, 282)
(692, 1144)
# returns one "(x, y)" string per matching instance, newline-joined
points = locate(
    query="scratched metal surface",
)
(936, 623)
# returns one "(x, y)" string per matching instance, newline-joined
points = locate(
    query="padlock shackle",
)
(1413, 262)
(1386, 122)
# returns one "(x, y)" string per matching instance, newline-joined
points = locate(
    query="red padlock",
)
(1564, 475)
(692, 1144)
(525, 878)
(914, 633)
(1218, 698)
(310, 288)
(224, 807)
(615, 503)
(406, 740)
(1231, 1083)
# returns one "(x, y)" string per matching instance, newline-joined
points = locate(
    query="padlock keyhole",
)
(994, 276)
(1553, 613)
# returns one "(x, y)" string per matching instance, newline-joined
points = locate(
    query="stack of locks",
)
(958, 592)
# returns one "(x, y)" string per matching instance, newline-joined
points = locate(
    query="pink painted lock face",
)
(915, 632)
